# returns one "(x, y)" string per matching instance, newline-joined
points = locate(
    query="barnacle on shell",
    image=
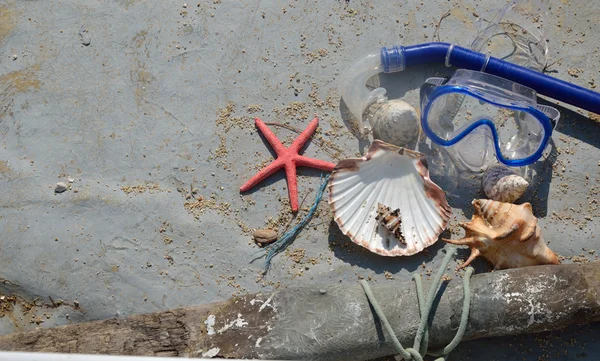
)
(505, 234)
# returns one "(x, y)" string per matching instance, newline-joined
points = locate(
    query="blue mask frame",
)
(431, 91)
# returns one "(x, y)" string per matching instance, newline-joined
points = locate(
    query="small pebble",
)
(265, 236)
(71, 179)
(85, 36)
(60, 187)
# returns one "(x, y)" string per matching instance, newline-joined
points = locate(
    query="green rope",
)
(425, 310)
(386, 324)
(462, 327)
(422, 336)
(422, 312)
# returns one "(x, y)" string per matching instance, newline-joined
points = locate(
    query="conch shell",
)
(505, 234)
(502, 184)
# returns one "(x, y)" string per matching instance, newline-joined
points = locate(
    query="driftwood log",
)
(336, 322)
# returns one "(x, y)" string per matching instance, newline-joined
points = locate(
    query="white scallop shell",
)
(393, 179)
(503, 185)
(396, 122)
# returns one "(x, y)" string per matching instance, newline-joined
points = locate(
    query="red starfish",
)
(287, 158)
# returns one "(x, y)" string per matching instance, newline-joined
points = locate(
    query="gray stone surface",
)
(136, 99)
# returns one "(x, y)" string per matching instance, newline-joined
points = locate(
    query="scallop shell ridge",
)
(366, 193)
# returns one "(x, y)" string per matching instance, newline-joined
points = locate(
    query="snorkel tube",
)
(358, 98)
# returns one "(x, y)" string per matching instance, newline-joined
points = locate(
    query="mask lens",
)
(520, 134)
(476, 149)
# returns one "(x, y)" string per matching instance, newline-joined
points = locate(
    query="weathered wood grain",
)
(335, 322)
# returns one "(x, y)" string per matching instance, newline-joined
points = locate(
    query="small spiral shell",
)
(503, 185)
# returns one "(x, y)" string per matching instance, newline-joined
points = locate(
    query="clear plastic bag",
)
(515, 33)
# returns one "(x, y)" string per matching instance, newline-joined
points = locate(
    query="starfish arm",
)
(290, 174)
(273, 167)
(270, 136)
(314, 163)
(304, 136)
(287, 158)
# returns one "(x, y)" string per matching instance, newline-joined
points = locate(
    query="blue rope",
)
(282, 243)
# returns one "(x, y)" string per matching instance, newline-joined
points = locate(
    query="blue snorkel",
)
(360, 100)
(397, 58)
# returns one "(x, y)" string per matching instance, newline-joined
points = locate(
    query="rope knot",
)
(419, 348)
(413, 354)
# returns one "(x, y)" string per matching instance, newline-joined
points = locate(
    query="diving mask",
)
(481, 115)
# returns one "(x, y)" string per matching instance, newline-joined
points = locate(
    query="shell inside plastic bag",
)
(396, 122)
(386, 202)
